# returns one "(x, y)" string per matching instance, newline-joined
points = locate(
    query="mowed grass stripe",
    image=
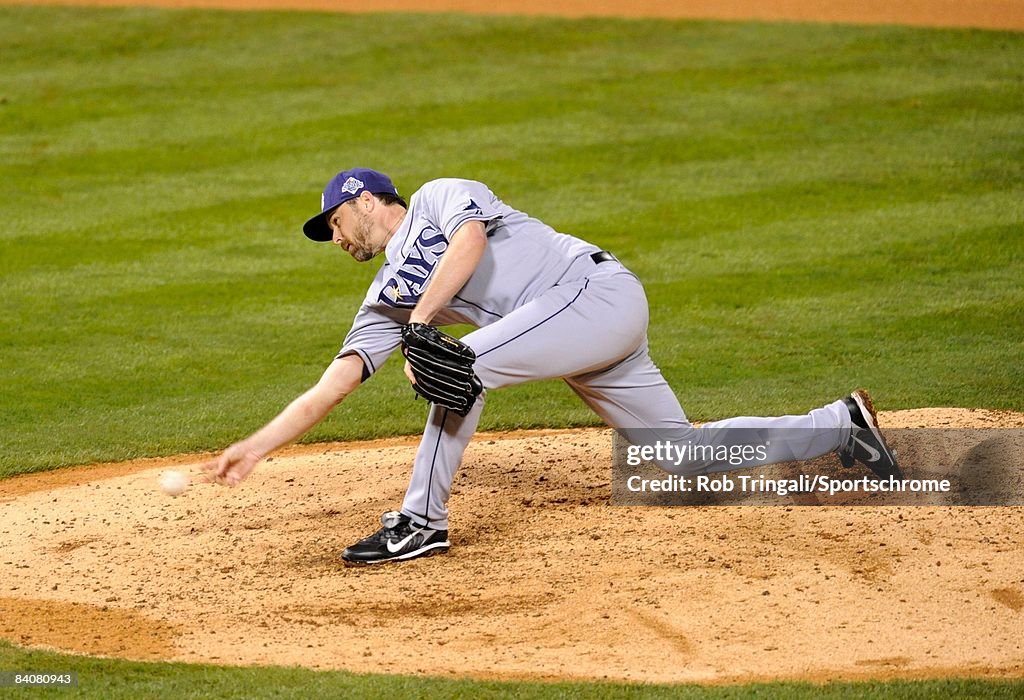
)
(862, 174)
(811, 207)
(238, 105)
(903, 154)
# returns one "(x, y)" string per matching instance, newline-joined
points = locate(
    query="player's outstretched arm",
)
(340, 379)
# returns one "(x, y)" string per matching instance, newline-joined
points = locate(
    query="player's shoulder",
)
(443, 185)
(451, 182)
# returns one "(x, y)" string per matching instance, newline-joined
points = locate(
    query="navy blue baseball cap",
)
(346, 185)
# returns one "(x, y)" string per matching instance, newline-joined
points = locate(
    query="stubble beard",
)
(362, 254)
(361, 249)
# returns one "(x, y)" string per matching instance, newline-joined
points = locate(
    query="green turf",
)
(812, 208)
(110, 679)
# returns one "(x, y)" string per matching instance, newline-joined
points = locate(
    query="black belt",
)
(603, 256)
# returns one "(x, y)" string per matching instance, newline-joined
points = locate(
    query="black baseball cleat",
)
(398, 540)
(866, 444)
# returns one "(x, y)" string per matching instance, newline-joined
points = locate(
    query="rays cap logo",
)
(346, 185)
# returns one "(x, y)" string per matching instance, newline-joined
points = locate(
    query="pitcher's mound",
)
(545, 579)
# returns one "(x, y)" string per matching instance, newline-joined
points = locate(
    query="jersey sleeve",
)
(457, 201)
(373, 337)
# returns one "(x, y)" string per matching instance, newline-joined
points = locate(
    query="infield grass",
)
(107, 679)
(812, 208)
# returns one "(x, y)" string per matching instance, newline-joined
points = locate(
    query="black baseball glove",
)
(443, 367)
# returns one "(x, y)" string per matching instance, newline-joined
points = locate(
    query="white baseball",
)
(174, 483)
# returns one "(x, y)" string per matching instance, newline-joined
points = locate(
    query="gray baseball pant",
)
(593, 334)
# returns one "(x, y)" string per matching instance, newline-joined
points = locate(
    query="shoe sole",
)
(428, 551)
(867, 410)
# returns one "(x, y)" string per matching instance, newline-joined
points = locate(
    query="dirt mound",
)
(546, 579)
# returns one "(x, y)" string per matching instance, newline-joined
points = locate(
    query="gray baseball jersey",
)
(524, 258)
(545, 306)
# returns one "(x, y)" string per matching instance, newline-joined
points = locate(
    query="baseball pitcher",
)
(546, 305)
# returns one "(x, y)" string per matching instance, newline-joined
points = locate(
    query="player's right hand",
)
(233, 465)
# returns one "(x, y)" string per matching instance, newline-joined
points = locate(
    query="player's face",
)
(353, 230)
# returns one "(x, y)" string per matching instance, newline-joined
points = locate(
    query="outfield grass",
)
(812, 208)
(109, 680)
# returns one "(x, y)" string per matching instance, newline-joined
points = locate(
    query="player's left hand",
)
(440, 367)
